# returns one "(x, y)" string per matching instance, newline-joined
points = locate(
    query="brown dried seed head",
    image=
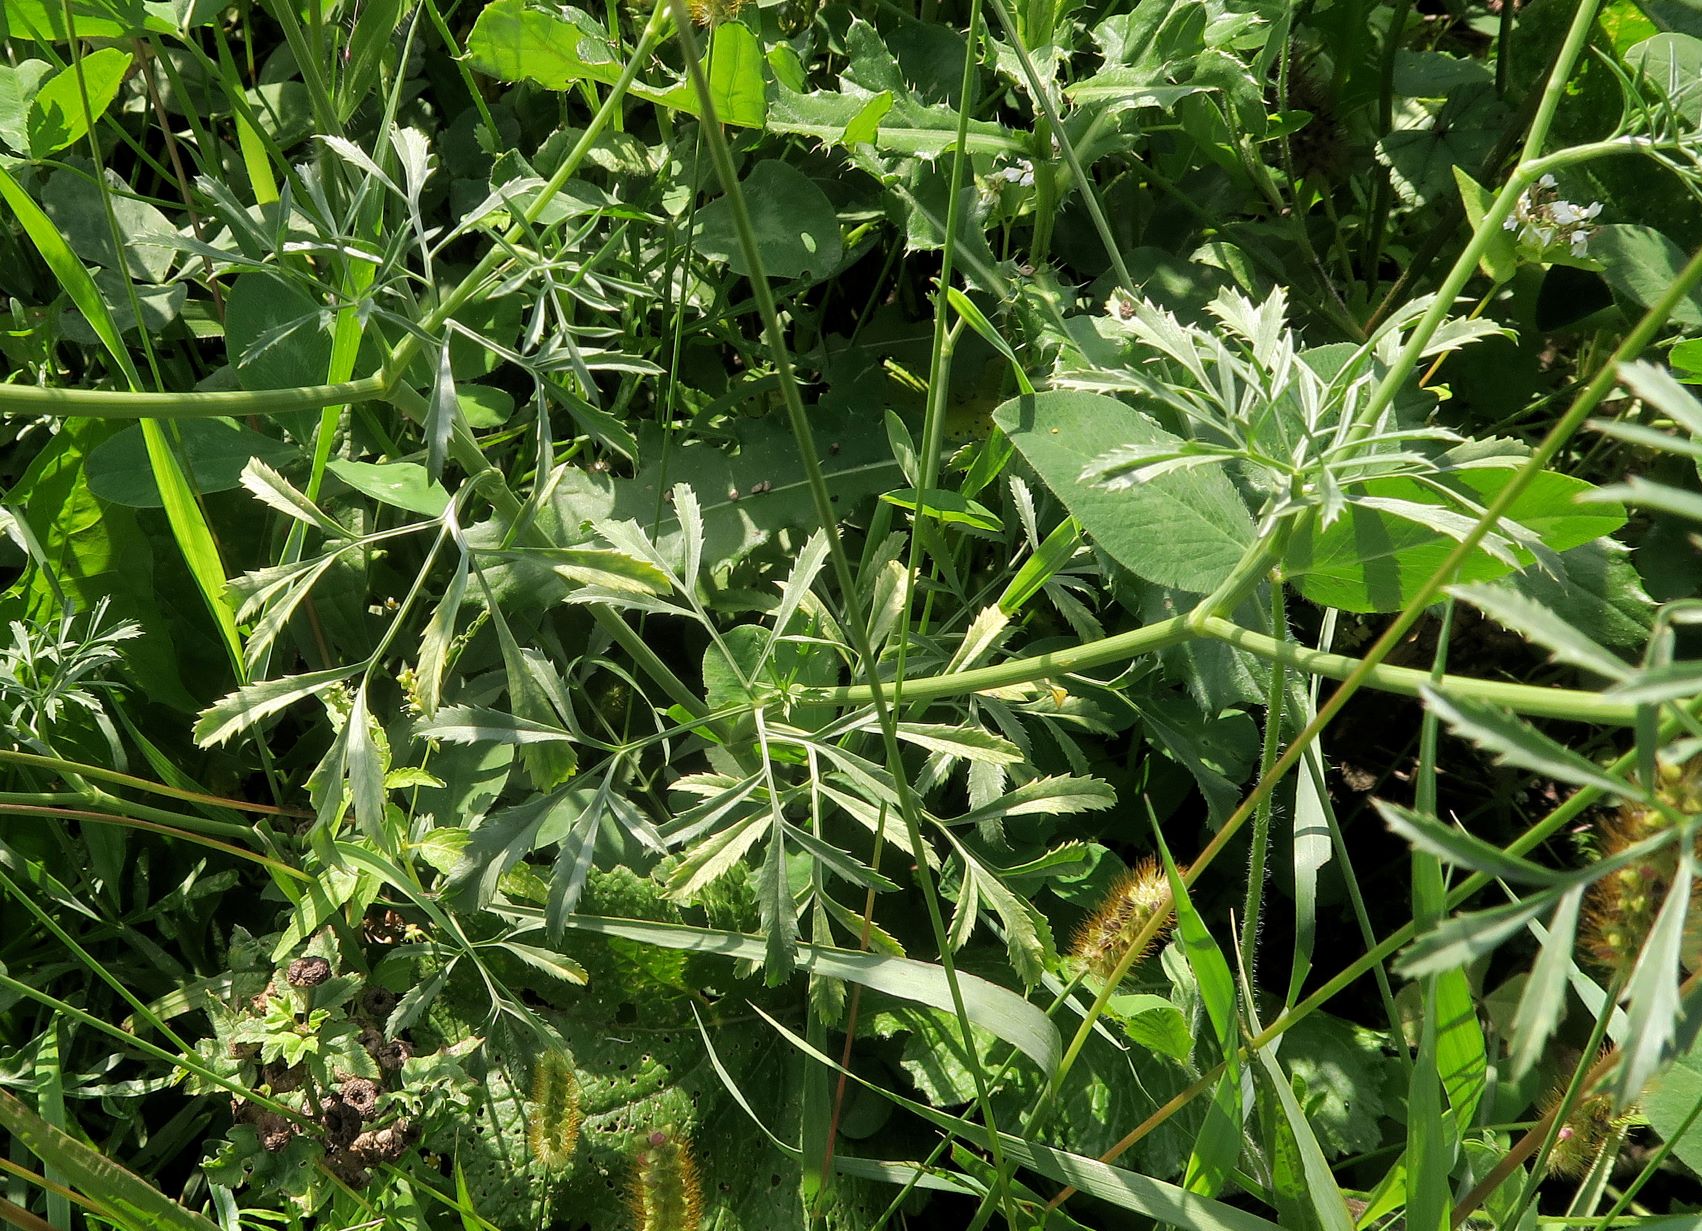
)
(394, 1054)
(341, 1122)
(308, 972)
(275, 1131)
(361, 1094)
(377, 1002)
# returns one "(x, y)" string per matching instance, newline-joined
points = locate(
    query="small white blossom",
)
(1541, 220)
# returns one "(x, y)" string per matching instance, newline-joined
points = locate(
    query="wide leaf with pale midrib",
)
(1369, 560)
(1187, 529)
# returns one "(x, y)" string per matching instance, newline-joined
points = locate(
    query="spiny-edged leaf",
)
(713, 857)
(545, 961)
(1548, 628)
(1188, 529)
(1463, 939)
(1371, 560)
(778, 911)
(366, 766)
(1028, 937)
(469, 724)
(1514, 741)
(993, 1008)
(748, 493)
(417, 999)
(1461, 849)
(253, 703)
(131, 1200)
(792, 594)
(503, 838)
(1545, 991)
(963, 743)
(275, 491)
(1053, 796)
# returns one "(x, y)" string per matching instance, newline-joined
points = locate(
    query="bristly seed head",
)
(1106, 936)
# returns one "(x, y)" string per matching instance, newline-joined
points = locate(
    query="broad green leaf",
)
(746, 498)
(1500, 259)
(1422, 153)
(275, 333)
(1670, 1103)
(18, 84)
(995, 1009)
(57, 118)
(515, 41)
(74, 204)
(131, 1200)
(46, 20)
(401, 485)
(1641, 264)
(214, 453)
(1345, 1078)
(1368, 560)
(796, 229)
(1186, 530)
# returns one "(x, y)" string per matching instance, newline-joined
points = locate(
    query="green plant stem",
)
(60, 766)
(1526, 699)
(117, 404)
(1531, 167)
(1268, 754)
(855, 622)
(1090, 194)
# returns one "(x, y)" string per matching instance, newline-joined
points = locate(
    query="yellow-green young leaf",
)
(125, 1198)
(57, 118)
(515, 41)
(1500, 260)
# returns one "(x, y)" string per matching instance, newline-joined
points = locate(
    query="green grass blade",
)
(133, 1203)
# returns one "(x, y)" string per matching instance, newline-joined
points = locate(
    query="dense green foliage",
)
(730, 615)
